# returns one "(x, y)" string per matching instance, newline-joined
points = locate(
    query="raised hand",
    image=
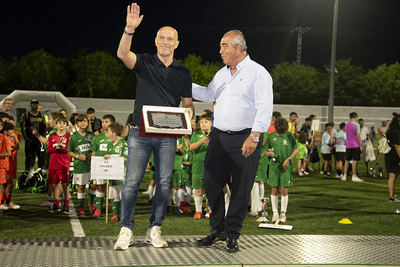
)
(133, 17)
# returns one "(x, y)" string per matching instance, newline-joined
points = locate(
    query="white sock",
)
(80, 195)
(100, 194)
(171, 196)
(274, 204)
(154, 191)
(150, 190)
(262, 190)
(198, 203)
(254, 196)
(189, 194)
(227, 198)
(50, 198)
(178, 197)
(284, 203)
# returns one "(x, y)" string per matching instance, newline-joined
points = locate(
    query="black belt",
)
(244, 131)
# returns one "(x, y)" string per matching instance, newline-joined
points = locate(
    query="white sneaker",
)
(343, 178)
(125, 239)
(13, 206)
(355, 178)
(275, 217)
(3, 207)
(282, 218)
(153, 237)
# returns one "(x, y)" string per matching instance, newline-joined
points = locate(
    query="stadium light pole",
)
(333, 61)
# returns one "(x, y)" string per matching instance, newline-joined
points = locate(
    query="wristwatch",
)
(255, 138)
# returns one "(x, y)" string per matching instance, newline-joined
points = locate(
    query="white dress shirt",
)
(242, 100)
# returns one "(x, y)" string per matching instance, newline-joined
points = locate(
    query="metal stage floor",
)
(255, 250)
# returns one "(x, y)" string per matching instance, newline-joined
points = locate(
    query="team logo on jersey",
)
(103, 147)
(117, 149)
(285, 142)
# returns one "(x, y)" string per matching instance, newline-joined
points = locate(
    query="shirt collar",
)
(242, 63)
(174, 63)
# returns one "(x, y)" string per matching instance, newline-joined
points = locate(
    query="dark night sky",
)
(368, 30)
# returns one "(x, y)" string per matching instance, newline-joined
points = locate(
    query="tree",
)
(202, 73)
(383, 85)
(97, 74)
(38, 70)
(4, 76)
(295, 83)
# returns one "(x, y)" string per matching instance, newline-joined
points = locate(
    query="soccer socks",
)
(81, 200)
(57, 202)
(274, 204)
(255, 198)
(3, 198)
(179, 196)
(66, 202)
(150, 190)
(284, 203)
(92, 195)
(189, 194)
(115, 206)
(198, 203)
(99, 199)
(8, 198)
(261, 190)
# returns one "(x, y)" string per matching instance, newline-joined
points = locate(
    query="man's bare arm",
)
(187, 103)
(133, 19)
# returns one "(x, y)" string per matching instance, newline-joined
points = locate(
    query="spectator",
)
(326, 148)
(95, 123)
(275, 115)
(382, 145)
(33, 126)
(293, 121)
(353, 151)
(340, 144)
(7, 105)
(364, 134)
(392, 159)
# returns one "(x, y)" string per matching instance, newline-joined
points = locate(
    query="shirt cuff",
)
(259, 127)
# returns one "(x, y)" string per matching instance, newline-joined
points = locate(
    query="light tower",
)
(300, 30)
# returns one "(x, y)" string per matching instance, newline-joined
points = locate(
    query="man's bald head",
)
(168, 28)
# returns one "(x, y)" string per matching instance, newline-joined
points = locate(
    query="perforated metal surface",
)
(260, 250)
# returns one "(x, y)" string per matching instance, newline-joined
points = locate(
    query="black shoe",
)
(53, 207)
(211, 238)
(231, 244)
(66, 209)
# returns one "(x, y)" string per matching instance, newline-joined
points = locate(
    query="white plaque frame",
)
(187, 130)
(109, 169)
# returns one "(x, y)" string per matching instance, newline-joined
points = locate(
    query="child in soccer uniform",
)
(12, 173)
(257, 192)
(178, 176)
(198, 145)
(100, 148)
(302, 154)
(326, 148)
(79, 148)
(340, 139)
(116, 147)
(6, 129)
(59, 163)
(187, 168)
(281, 148)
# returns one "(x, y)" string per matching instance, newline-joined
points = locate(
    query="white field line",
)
(73, 219)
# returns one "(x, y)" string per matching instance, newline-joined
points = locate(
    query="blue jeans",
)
(139, 153)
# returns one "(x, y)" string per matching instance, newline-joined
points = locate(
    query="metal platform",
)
(260, 250)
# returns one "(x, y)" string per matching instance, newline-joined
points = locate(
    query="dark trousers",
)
(224, 158)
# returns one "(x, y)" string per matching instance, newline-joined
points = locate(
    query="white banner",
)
(110, 169)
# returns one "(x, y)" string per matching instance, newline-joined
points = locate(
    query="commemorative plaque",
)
(171, 121)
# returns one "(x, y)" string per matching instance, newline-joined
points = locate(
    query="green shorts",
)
(261, 175)
(152, 175)
(116, 182)
(188, 176)
(277, 177)
(197, 181)
(178, 178)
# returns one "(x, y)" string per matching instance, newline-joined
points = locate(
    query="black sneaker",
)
(54, 207)
(66, 209)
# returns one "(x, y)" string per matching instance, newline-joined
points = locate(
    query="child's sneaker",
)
(397, 211)
(300, 173)
(306, 173)
(208, 214)
(114, 218)
(3, 207)
(92, 208)
(13, 206)
(282, 218)
(54, 207)
(343, 178)
(66, 209)
(82, 212)
(275, 217)
(125, 239)
(355, 178)
(97, 213)
(178, 211)
(186, 210)
(394, 199)
(198, 215)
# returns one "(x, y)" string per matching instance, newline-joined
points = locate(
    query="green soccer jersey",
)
(178, 156)
(81, 145)
(100, 144)
(120, 149)
(282, 146)
(199, 154)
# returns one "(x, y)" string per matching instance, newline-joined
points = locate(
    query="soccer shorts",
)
(114, 192)
(197, 181)
(81, 178)
(3, 176)
(392, 164)
(353, 153)
(99, 181)
(340, 156)
(60, 175)
(178, 178)
(277, 177)
(327, 157)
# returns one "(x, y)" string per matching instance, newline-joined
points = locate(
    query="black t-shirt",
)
(307, 130)
(158, 85)
(30, 122)
(96, 124)
(394, 139)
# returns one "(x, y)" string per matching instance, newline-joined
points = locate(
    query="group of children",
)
(9, 145)
(76, 144)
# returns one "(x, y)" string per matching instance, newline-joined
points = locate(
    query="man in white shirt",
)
(364, 134)
(242, 92)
